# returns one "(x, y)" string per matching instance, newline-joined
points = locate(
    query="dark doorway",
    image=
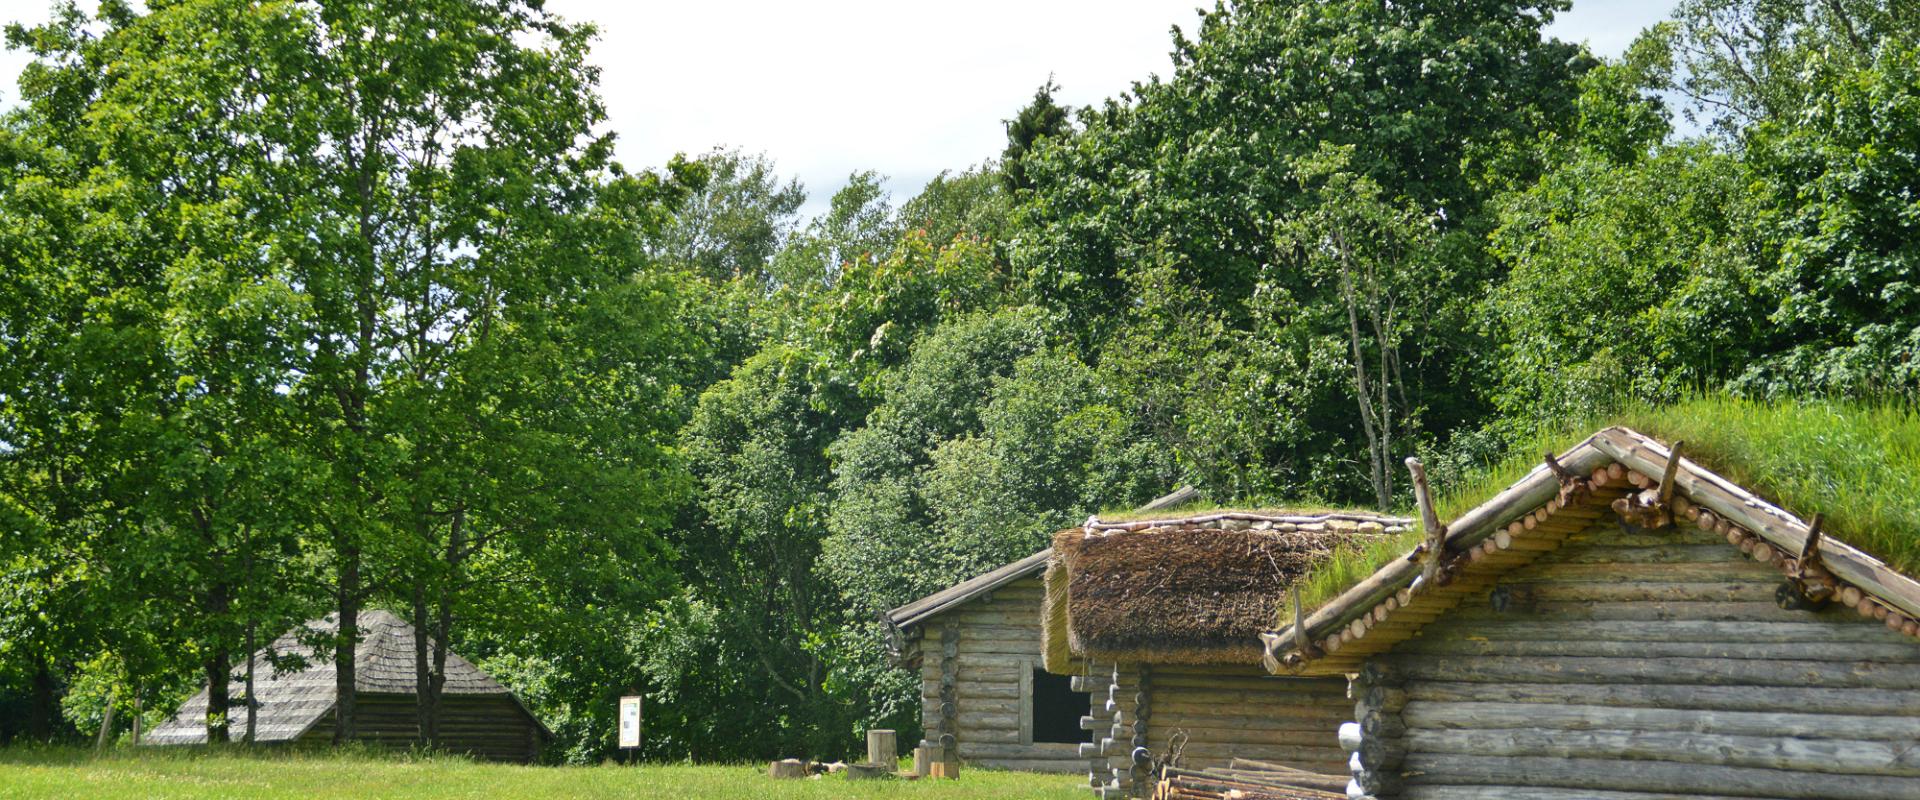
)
(1057, 710)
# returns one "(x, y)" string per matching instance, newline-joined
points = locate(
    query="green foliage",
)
(1040, 119)
(733, 225)
(1839, 180)
(1632, 281)
(311, 306)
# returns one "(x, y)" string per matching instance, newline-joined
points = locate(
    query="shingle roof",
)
(912, 613)
(292, 701)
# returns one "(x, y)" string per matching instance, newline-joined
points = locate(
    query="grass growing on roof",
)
(1859, 465)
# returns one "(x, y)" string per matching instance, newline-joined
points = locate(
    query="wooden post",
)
(1302, 643)
(1666, 476)
(106, 724)
(922, 760)
(883, 748)
(1436, 541)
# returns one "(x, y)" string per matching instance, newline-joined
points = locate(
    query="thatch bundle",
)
(1191, 591)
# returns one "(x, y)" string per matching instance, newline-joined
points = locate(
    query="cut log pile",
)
(1246, 779)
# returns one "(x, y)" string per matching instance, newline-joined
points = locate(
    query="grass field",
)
(149, 775)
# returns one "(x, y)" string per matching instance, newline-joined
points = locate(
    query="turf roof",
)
(1858, 465)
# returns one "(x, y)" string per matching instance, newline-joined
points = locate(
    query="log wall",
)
(1217, 714)
(996, 648)
(1649, 665)
(490, 727)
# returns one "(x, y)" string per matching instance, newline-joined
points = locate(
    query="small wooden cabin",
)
(1160, 620)
(976, 646)
(479, 716)
(1624, 624)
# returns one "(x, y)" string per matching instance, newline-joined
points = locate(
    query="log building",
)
(1623, 624)
(1160, 620)
(478, 716)
(984, 696)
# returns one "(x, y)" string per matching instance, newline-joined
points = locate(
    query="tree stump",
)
(787, 768)
(922, 760)
(862, 772)
(883, 747)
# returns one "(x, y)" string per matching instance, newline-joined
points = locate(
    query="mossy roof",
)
(1857, 465)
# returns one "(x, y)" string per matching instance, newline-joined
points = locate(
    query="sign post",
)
(630, 725)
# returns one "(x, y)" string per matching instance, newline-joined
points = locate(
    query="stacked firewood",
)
(1245, 779)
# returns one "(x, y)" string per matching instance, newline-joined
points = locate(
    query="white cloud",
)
(903, 87)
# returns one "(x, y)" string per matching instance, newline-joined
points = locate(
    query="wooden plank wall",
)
(1229, 712)
(1654, 665)
(998, 647)
(488, 727)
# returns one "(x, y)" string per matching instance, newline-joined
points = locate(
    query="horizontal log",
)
(1171, 712)
(992, 631)
(1676, 610)
(1769, 752)
(1732, 590)
(1861, 702)
(1606, 550)
(1036, 750)
(1320, 737)
(974, 706)
(1783, 530)
(1231, 698)
(975, 718)
(994, 666)
(1510, 628)
(1803, 723)
(1796, 651)
(1536, 793)
(1311, 758)
(998, 735)
(1691, 572)
(1027, 648)
(1259, 683)
(1709, 672)
(1649, 776)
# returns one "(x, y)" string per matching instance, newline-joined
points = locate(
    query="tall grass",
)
(1856, 464)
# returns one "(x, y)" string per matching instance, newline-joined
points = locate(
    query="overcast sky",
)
(906, 88)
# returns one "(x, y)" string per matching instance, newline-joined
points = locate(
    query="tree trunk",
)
(40, 714)
(1362, 392)
(347, 645)
(253, 708)
(218, 667)
(424, 695)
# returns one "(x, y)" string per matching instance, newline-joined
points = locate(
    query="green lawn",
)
(155, 776)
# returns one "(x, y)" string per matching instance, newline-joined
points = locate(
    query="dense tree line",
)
(311, 307)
